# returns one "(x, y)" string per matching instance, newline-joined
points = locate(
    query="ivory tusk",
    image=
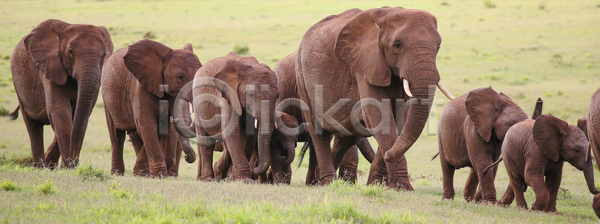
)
(406, 88)
(275, 125)
(445, 91)
(255, 123)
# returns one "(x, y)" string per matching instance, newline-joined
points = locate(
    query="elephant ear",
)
(285, 119)
(582, 124)
(483, 106)
(144, 59)
(107, 41)
(357, 46)
(231, 74)
(188, 46)
(548, 132)
(43, 46)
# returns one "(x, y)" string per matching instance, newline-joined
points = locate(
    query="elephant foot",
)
(538, 207)
(206, 178)
(551, 210)
(596, 204)
(68, 164)
(400, 185)
(327, 179)
(118, 172)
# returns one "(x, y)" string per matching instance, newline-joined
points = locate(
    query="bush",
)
(241, 49)
(89, 172)
(46, 188)
(489, 4)
(10, 186)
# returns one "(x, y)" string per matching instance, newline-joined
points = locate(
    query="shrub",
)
(89, 172)
(489, 4)
(10, 186)
(241, 49)
(46, 188)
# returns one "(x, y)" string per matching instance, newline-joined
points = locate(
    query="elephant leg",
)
(175, 169)
(276, 167)
(508, 197)
(141, 167)
(378, 171)
(222, 165)
(542, 196)
(168, 143)
(518, 188)
(553, 180)
(311, 178)
(366, 150)
(287, 174)
(447, 177)
(349, 165)
(471, 186)
(324, 157)
(341, 145)
(117, 139)
(156, 158)
(481, 159)
(60, 114)
(205, 169)
(52, 155)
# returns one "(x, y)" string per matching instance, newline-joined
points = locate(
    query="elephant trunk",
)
(418, 113)
(290, 147)
(87, 94)
(264, 156)
(190, 155)
(588, 173)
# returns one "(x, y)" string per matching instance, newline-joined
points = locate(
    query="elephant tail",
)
(15, 114)
(302, 153)
(435, 156)
(484, 172)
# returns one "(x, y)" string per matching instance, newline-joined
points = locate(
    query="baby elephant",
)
(534, 149)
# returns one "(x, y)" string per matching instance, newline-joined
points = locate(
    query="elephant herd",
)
(355, 75)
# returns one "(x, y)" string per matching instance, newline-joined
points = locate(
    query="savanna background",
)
(526, 49)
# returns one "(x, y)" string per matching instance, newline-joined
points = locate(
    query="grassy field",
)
(526, 49)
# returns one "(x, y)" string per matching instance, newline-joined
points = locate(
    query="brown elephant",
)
(234, 100)
(352, 69)
(139, 87)
(282, 153)
(536, 149)
(592, 130)
(470, 134)
(56, 70)
(286, 80)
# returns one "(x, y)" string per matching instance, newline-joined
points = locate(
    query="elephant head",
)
(560, 141)
(256, 88)
(281, 140)
(65, 52)
(395, 43)
(492, 113)
(159, 68)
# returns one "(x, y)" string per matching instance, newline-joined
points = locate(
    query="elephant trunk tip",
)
(261, 169)
(190, 159)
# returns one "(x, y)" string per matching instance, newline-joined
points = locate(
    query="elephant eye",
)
(180, 77)
(397, 45)
(251, 95)
(70, 51)
(438, 48)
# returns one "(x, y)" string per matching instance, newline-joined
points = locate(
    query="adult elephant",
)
(381, 58)
(234, 102)
(592, 129)
(470, 134)
(286, 81)
(56, 70)
(139, 86)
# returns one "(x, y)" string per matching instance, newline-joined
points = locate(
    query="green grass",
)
(526, 49)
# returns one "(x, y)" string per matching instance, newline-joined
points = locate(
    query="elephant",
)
(139, 87)
(282, 153)
(592, 131)
(230, 94)
(536, 149)
(56, 70)
(286, 80)
(470, 133)
(352, 69)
